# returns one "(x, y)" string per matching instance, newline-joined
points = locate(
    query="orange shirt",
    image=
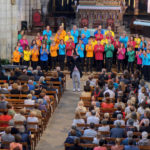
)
(16, 56)
(35, 54)
(89, 50)
(53, 50)
(59, 37)
(38, 42)
(107, 105)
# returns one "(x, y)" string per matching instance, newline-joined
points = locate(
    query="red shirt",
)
(107, 105)
(111, 38)
(5, 118)
(70, 46)
(132, 43)
(98, 50)
(99, 37)
(116, 44)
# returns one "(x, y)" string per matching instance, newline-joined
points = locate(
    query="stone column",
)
(8, 28)
(136, 9)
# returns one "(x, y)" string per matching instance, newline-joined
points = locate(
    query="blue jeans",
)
(76, 77)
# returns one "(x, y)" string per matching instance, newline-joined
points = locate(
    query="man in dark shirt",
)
(117, 132)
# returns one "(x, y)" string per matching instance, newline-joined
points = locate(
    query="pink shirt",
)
(121, 53)
(139, 60)
(100, 148)
(23, 43)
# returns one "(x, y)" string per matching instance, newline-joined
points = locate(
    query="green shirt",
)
(19, 37)
(131, 56)
(109, 49)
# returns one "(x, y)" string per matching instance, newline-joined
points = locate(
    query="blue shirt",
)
(129, 147)
(80, 51)
(141, 44)
(44, 56)
(62, 49)
(124, 41)
(84, 40)
(86, 33)
(49, 34)
(102, 32)
(20, 49)
(75, 35)
(31, 87)
(144, 60)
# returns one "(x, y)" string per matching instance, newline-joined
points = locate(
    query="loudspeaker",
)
(23, 25)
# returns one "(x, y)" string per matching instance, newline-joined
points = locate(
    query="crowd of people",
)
(97, 51)
(118, 107)
(33, 109)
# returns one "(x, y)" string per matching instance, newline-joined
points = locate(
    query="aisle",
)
(61, 121)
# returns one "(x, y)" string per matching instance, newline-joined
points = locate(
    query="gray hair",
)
(119, 116)
(144, 135)
(130, 134)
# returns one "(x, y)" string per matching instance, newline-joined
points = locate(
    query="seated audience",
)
(105, 126)
(144, 140)
(3, 102)
(101, 145)
(93, 118)
(117, 145)
(91, 132)
(119, 119)
(117, 131)
(78, 119)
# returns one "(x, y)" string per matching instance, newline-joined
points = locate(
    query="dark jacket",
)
(75, 62)
(117, 133)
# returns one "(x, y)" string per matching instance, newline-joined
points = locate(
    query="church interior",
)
(74, 74)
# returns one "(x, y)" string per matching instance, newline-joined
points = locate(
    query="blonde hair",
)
(29, 96)
(15, 86)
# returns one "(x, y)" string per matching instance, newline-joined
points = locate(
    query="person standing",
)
(16, 56)
(99, 36)
(26, 56)
(109, 49)
(62, 52)
(131, 59)
(70, 46)
(48, 32)
(139, 60)
(121, 56)
(99, 50)
(75, 34)
(124, 39)
(80, 52)
(89, 56)
(24, 42)
(137, 42)
(86, 32)
(44, 57)
(53, 53)
(76, 72)
(35, 56)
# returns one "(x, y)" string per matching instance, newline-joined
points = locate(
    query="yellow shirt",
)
(53, 50)
(35, 54)
(27, 55)
(137, 41)
(89, 50)
(104, 41)
(16, 56)
(112, 33)
(57, 38)
(67, 38)
(94, 43)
